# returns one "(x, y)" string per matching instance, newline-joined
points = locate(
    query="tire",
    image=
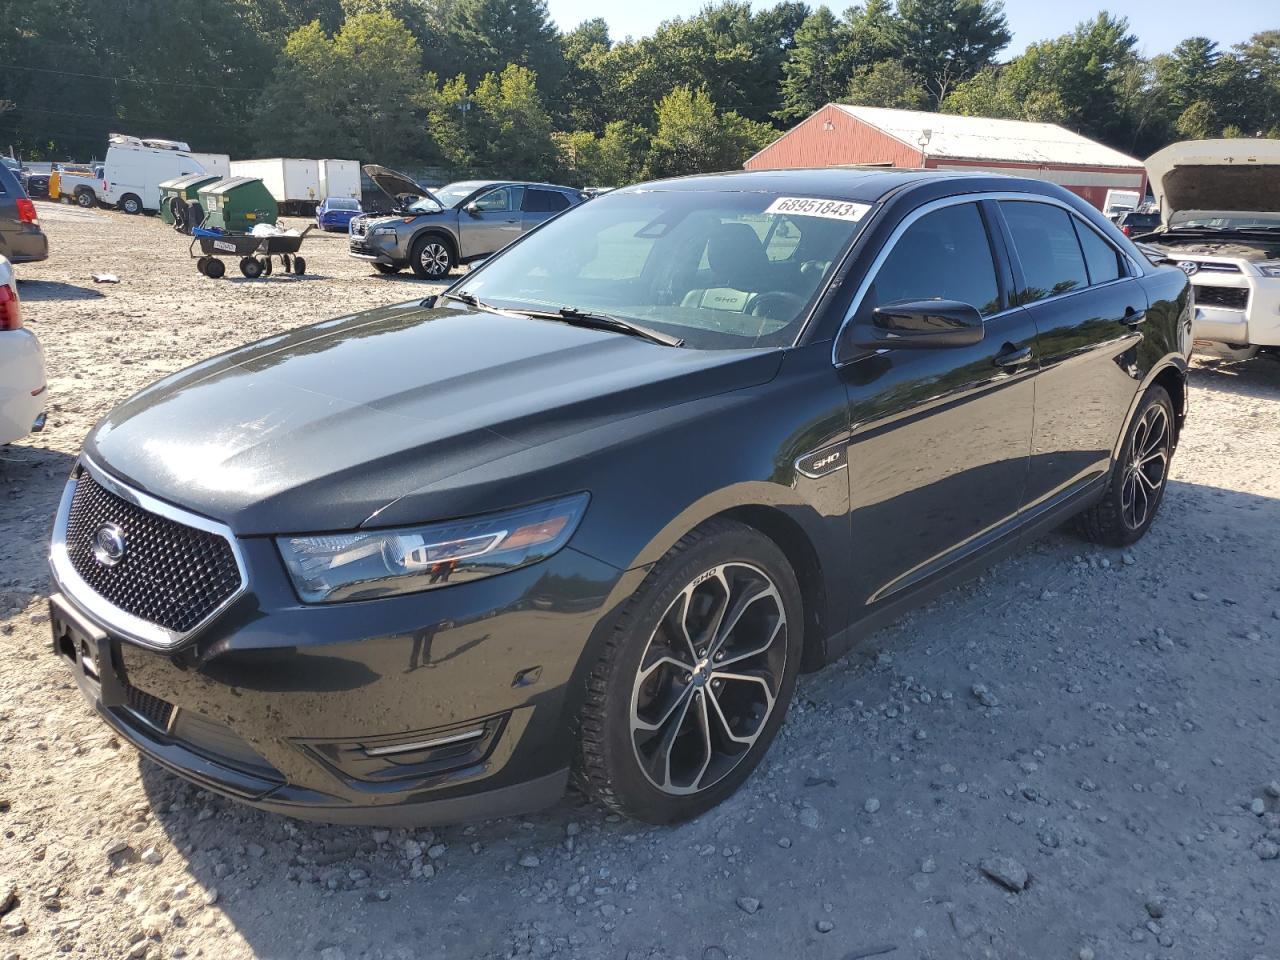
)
(251, 267)
(1138, 478)
(215, 269)
(265, 262)
(86, 199)
(202, 265)
(652, 685)
(387, 269)
(299, 266)
(130, 204)
(431, 257)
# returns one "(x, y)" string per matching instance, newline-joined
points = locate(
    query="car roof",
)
(864, 184)
(474, 185)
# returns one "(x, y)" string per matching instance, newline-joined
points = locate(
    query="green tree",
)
(354, 94)
(691, 136)
(583, 104)
(812, 74)
(945, 42)
(1197, 122)
(499, 129)
(886, 84)
(478, 37)
(612, 159)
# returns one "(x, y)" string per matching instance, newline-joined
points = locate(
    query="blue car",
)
(335, 213)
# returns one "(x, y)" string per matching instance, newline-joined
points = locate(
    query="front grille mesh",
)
(1230, 298)
(171, 574)
(151, 709)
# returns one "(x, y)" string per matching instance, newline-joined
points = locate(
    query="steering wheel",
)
(785, 302)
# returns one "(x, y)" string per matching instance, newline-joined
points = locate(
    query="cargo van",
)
(134, 171)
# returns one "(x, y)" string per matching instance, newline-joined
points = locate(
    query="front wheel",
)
(693, 683)
(1138, 478)
(388, 268)
(431, 258)
(251, 267)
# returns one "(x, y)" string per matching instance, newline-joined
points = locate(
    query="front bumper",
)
(449, 705)
(365, 248)
(1251, 320)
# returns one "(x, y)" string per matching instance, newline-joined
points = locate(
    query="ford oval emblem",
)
(1189, 267)
(109, 545)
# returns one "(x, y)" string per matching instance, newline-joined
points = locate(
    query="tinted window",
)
(544, 201)
(1047, 248)
(1101, 258)
(945, 255)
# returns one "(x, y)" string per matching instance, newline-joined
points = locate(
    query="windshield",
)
(451, 194)
(718, 270)
(1224, 220)
(335, 204)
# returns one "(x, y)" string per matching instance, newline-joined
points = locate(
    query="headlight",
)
(380, 563)
(1269, 269)
(383, 232)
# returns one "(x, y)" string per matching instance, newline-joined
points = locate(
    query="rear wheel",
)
(215, 269)
(299, 266)
(130, 204)
(694, 681)
(266, 265)
(202, 265)
(431, 258)
(86, 198)
(251, 268)
(1138, 478)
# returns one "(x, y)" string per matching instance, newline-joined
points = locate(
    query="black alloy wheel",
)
(695, 679)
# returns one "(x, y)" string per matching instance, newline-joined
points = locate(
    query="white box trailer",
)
(340, 178)
(218, 164)
(294, 183)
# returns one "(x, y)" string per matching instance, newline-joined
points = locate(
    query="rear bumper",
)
(27, 245)
(22, 385)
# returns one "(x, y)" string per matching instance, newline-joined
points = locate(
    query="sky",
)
(1158, 24)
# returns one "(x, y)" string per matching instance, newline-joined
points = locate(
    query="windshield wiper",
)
(605, 321)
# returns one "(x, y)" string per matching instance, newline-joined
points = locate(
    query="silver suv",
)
(434, 231)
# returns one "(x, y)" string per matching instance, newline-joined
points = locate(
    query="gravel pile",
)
(1074, 756)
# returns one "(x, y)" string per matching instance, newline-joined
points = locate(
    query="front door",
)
(940, 436)
(490, 222)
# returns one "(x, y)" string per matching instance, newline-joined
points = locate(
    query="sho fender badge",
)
(824, 461)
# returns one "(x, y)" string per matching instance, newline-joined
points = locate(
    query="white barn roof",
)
(982, 138)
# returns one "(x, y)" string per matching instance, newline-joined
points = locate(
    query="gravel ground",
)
(1072, 757)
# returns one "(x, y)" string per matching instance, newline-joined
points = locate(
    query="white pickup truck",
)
(1220, 201)
(83, 188)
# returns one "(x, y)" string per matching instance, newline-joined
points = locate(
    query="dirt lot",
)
(1105, 721)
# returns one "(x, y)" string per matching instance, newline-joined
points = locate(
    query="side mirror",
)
(920, 324)
(472, 208)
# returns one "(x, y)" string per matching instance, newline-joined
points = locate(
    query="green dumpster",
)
(185, 189)
(237, 204)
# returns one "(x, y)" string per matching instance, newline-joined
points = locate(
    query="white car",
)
(22, 383)
(1221, 205)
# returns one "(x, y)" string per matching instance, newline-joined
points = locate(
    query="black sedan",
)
(589, 512)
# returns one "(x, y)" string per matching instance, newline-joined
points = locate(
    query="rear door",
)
(1088, 309)
(940, 436)
(539, 205)
(494, 222)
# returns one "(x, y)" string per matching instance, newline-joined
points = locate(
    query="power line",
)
(103, 76)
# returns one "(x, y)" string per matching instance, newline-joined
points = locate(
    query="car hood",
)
(319, 428)
(395, 185)
(1239, 174)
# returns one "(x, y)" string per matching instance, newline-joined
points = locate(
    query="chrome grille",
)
(170, 574)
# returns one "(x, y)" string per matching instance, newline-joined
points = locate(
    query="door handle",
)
(1133, 317)
(1011, 356)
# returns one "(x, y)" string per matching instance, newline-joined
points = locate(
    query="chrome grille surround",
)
(111, 616)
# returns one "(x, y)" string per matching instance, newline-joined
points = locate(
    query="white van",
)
(134, 172)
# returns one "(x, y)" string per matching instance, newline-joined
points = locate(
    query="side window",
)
(544, 201)
(945, 255)
(1047, 248)
(502, 200)
(555, 201)
(1100, 257)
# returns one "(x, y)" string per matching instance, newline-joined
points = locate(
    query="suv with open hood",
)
(432, 232)
(1220, 200)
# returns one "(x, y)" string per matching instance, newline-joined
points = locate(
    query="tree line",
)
(494, 88)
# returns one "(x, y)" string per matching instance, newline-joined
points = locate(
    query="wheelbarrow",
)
(255, 253)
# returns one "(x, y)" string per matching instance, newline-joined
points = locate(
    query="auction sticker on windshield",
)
(813, 207)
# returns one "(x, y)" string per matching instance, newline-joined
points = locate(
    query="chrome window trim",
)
(1135, 270)
(117, 621)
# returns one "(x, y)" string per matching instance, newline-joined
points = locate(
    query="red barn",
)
(842, 135)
